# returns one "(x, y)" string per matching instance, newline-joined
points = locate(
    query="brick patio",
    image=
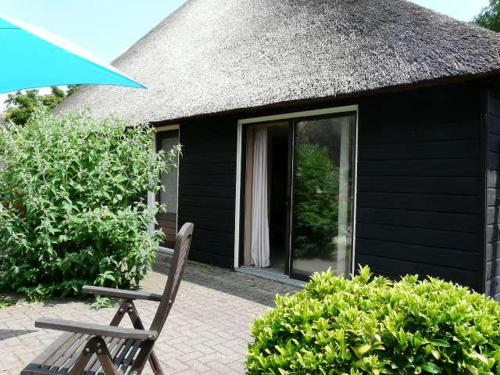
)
(206, 333)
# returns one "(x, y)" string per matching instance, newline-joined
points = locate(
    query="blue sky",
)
(106, 28)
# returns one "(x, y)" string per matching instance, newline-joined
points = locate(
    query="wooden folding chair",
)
(88, 348)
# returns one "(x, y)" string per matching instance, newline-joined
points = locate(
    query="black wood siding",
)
(207, 176)
(418, 203)
(420, 200)
(492, 150)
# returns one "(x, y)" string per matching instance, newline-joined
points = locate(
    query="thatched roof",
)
(210, 57)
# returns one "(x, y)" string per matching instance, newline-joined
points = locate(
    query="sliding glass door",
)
(321, 233)
(299, 194)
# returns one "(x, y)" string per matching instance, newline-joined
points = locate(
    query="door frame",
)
(152, 197)
(240, 155)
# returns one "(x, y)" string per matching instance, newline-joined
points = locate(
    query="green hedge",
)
(370, 325)
(73, 206)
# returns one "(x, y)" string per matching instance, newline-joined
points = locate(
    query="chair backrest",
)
(177, 267)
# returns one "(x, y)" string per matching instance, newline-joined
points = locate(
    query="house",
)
(324, 133)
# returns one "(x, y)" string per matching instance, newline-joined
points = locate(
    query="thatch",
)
(213, 56)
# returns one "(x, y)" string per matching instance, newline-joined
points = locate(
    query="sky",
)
(107, 28)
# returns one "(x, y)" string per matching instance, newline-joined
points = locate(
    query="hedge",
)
(371, 325)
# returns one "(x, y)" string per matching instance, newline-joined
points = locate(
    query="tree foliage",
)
(22, 105)
(316, 196)
(73, 209)
(490, 16)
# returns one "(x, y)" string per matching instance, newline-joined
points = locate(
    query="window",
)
(167, 221)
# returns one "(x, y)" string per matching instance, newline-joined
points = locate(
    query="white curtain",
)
(343, 235)
(260, 219)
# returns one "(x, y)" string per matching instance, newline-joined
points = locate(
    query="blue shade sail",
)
(33, 58)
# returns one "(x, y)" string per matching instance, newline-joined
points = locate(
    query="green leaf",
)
(436, 354)
(440, 342)
(361, 350)
(431, 368)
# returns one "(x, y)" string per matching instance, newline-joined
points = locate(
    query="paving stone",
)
(207, 331)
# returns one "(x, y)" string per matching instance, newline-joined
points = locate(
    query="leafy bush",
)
(375, 326)
(74, 212)
(316, 211)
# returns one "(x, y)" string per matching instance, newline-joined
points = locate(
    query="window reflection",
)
(323, 192)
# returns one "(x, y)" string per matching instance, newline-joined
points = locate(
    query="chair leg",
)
(143, 357)
(120, 313)
(85, 356)
(155, 364)
(137, 323)
(104, 356)
(128, 307)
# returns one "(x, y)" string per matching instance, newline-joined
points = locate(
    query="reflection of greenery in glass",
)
(316, 209)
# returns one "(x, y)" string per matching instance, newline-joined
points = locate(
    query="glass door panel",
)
(323, 185)
(167, 221)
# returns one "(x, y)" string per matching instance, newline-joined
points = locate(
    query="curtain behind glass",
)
(260, 252)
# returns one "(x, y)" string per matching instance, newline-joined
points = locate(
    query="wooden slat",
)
(419, 202)
(194, 157)
(95, 329)
(494, 142)
(419, 219)
(449, 149)
(418, 254)
(211, 225)
(199, 190)
(493, 286)
(419, 236)
(121, 293)
(59, 357)
(494, 104)
(492, 267)
(493, 160)
(412, 184)
(493, 178)
(208, 202)
(94, 365)
(372, 131)
(494, 123)
(122, 354)
(420, 168)
(68, 360)
(492, 251)
(216, 214)
(45, 359)
(205, 256)
(129, 358)
(222, 180)
(205, 244)
(210, 168)
(493, 233)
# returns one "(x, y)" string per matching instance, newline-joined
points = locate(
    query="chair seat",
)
(60, 357)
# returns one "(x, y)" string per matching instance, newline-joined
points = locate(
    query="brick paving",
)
(207, 331)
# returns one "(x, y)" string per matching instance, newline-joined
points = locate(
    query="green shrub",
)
(375, 326)
(73, 209)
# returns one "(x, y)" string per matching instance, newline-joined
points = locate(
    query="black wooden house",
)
(324, 133)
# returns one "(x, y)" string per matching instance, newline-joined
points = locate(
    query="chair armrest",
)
(95, 329)
(121, 293)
